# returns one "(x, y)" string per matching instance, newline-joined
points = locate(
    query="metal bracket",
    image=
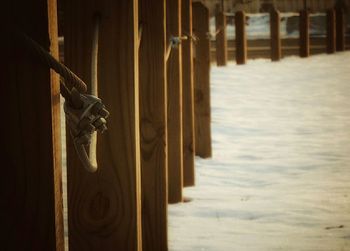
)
(83, 121)
(176, 41)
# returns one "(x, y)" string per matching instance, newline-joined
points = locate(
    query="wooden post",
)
(187, 96)
(202, 80)
(174, 77)
(221, 41)
(331, 35)
(31, 213)
(340, 29)
(104, 207)
(241, 39)
(304, 40)
(153, 119)
(276, 52)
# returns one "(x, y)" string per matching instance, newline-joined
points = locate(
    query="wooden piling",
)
(202, 80)
(221, 39)
(304, 40)
(104, 207)
(174, 78)
(31, 211)
(275, 37)
(187, 95)
(241, 38)
(331, 28)
(340, 28)
(153, 123)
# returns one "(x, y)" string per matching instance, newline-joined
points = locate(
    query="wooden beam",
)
(331, 34)
(174, 78)
(153, 118)
(187, 95)
(304, 39)
(276, 51)
(202, 80)
(241, 38)
(31, 213)
(221, 39)
(104, 207)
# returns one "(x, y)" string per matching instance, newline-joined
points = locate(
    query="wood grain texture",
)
(104, 207)
(153, 124)
(241, 38)
(340, 28)
(187, 96)
(304, 39)
(221, 39)
(275, 37)
(202, 81)
(31, 212)
(56, 126)
(174, 78)
(331, 34)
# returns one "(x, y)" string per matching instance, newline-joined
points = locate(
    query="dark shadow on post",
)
(241, 38)
(275, 38)
(331, 35)
(304, 40)
(340, 28)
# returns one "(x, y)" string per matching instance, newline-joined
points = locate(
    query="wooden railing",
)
(276, 47)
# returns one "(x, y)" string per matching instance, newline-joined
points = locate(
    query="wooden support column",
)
(241, 38)
(221, 40)
(104, 207)
(31, 211)
(202, 80)
(275, 37)
(331, 35)
(340, 29)
(174, 77)
(187, 96)
(304, 40)
(153, 119)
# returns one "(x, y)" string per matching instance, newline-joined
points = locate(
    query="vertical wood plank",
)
(241, 38)
(31, 212)
(153, 117)
(340, 28)
(276, 51)
(304, 40)
(104, 207)
(174, 78)
(56, 130)
(187, 96)
(331, 35)
(202, 81)
(221, 39)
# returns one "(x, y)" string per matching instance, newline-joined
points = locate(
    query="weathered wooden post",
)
(221, 40)
(188, 95)
(340, 28)
(104, 207)
(241, 38)
(275, 39)
(304, 40)
(153, 123)
(202, 80)
(331, 35)
(174, 77)
(31, 213)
